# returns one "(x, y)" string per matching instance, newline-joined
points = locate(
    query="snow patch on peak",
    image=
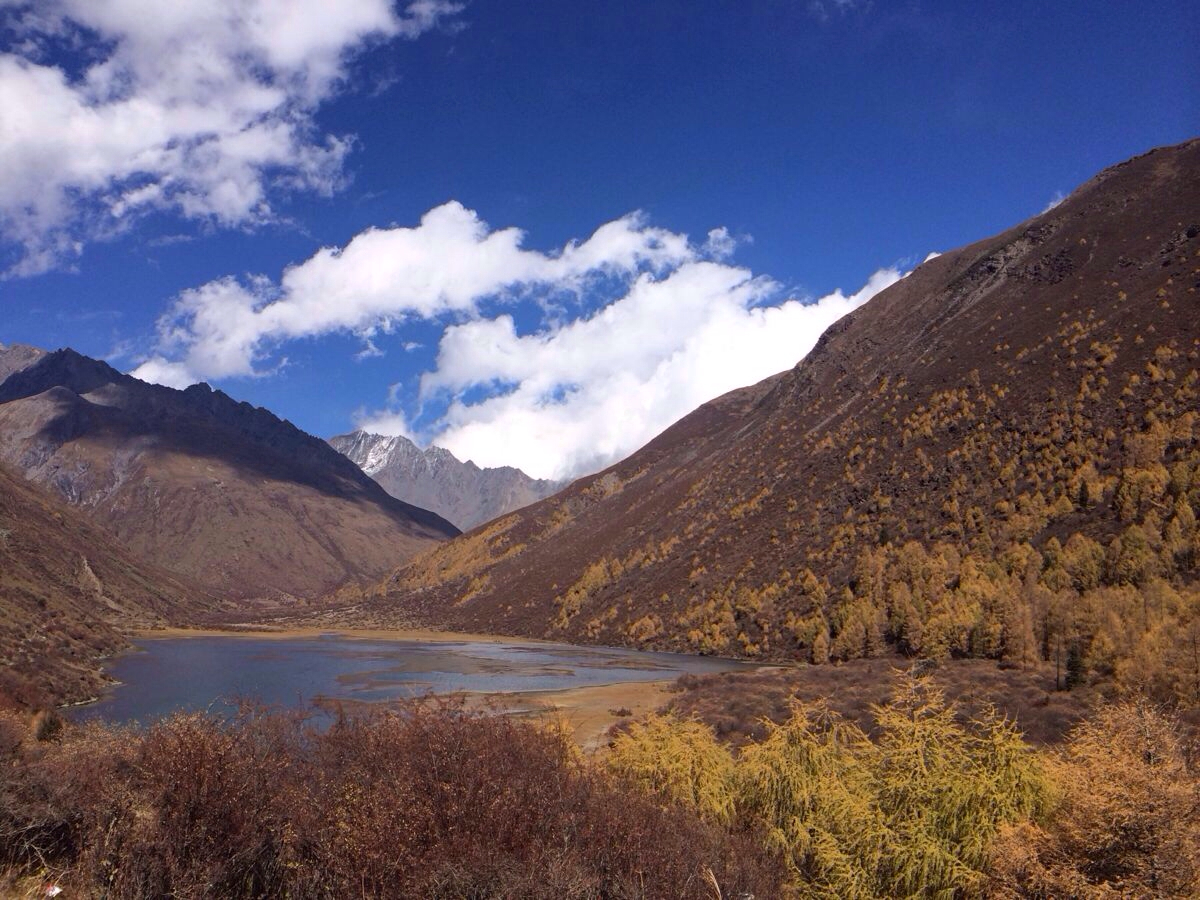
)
(435, 479)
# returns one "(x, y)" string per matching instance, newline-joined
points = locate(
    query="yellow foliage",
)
(1127, 823)
(680, 760)
(911, 814)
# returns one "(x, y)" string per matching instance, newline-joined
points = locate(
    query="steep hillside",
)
(436, 480)
(218, 491)
(997, 456)
(66, 588)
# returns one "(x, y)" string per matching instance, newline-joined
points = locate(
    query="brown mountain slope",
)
(903, 482)
(218, 491)
(66, 590)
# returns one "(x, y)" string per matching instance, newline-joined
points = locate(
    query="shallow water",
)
(165, 675)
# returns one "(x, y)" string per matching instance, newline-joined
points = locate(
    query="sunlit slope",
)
(996, 456)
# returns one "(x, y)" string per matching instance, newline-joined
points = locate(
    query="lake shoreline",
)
(302, 632)
(588, 712)
(607, 696)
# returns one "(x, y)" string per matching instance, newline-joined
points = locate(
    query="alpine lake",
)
(325, 672)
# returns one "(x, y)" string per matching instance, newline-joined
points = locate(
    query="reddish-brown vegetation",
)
(739, 706)
(428, 802)
(1127, 822)
(434, 801)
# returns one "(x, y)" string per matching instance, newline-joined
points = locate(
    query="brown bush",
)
(738, 705)
(1128, 821)
(429, 801)
(14, 730)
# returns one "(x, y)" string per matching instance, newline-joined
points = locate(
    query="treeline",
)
(1061, 543)
(433, 801)
(930, 806)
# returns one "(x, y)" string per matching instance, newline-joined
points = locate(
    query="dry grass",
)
(737, 705)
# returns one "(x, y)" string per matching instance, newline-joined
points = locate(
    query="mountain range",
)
(436, 480)
(990, 457)
(223, 494)
(998, 456)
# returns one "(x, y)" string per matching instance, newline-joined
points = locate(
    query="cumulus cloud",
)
(676, 325)
(201, 107)
(446, 265)
(392, 424)
(721, 244)
(581, 396)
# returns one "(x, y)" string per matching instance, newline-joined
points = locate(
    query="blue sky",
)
(159, 173)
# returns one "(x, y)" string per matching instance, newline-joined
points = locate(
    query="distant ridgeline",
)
(998, 456)
(436, 480)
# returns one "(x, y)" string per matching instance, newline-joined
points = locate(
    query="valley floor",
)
(737, 705)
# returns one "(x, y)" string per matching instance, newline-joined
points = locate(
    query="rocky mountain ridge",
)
(220, 492)
(435, 479)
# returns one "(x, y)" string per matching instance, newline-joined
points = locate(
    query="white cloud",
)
(393, 424)
(202, 107)
(1058, 198)
(225, 328)
(721, 244)
(588, 393)
(567, 397)
(163, 371)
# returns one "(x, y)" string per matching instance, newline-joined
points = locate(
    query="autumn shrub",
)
(14, 730)
(909, 812)
(1128, 820)
(427, 801)
(679, 759)
(53, 794)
